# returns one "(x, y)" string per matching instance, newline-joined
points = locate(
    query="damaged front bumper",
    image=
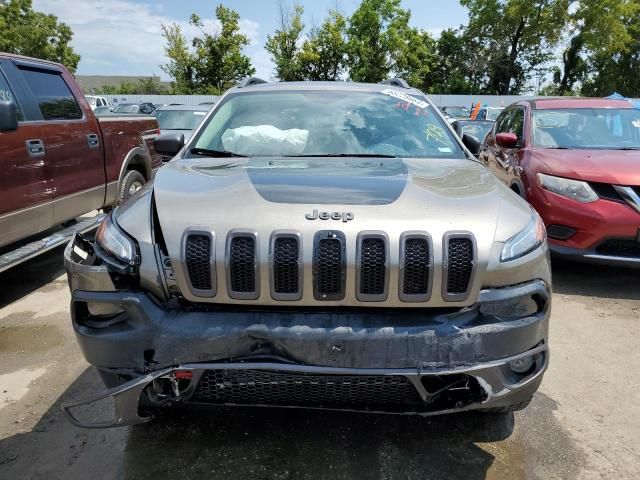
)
(421, 361)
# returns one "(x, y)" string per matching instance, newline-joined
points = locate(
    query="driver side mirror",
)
(8, 116)
(507, 140)
(169, 144)
(471, 143)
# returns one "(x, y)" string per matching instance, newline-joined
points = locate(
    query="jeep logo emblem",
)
(344, 216)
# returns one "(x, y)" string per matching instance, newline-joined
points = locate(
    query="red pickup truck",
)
(57, 160)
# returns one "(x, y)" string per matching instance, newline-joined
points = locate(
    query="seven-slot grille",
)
(198, 259)
(329, 266)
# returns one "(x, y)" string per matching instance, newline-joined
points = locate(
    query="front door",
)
(73, 143)
(26, 193)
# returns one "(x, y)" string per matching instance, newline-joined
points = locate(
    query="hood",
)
(391, 195)
(620, 167)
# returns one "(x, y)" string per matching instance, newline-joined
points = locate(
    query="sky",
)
(124, 37)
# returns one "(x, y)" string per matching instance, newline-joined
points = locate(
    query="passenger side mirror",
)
(507, 140)
(169, 144)
(472, 143)
(8, 116)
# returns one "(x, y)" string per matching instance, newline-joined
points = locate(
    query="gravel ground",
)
(583, 423)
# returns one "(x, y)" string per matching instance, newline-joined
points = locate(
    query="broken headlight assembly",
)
(115, 247)
(526, 241)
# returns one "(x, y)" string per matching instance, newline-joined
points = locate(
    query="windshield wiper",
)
(627, 148)
(559, 148)
(340, 155)
(214, 153)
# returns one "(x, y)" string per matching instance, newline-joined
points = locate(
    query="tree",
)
(214, 63)
(516, 38)
(24, 31)
(323, 55)
(283, 44)
(378, 31)
(456, 71)
(617, 70)
(182, 63)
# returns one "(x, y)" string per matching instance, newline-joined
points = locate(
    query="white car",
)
(95, 102)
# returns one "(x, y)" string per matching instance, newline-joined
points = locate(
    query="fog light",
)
(522, 365)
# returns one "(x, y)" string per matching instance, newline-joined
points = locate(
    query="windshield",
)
(590, 128)
(492, 113)
(179, 119)
(476, 129)
(458, 112)
(389, 123)
(92, 101)
(126, 108)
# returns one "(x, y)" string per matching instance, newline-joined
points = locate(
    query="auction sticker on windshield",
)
(405, 97)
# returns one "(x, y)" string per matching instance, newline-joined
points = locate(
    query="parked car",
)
(102, 111)
(476, 129)
(180, 118)
(97, 102)
(577, 161)
(58, 160)
(328, 245)
(456, 112)
(145, 108)
(489, 113)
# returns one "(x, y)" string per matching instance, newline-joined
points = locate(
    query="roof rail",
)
(248, 81)
(396, 82)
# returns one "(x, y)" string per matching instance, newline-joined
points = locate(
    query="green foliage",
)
(283, 44)
(214, 63)
(144, 86)
(24, 31)
(323, 55)
(378, 43)
(515, 37)
(617, 70)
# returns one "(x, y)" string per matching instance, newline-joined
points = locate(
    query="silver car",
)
(318, 245)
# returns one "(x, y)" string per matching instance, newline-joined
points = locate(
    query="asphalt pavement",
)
(583, 423)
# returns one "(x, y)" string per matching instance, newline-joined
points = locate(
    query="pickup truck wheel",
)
(131, 183)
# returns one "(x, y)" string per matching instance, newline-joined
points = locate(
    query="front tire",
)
(131, 183)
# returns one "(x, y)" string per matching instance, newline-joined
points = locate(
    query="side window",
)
(503, 122)
(53, 95)
(6, 94)
(517, 123)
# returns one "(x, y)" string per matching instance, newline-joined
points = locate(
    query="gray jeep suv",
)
(318, 245)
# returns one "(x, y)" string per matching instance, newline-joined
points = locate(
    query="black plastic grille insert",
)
(372, 266)
(416, 266)
(286, 265)
(619, 247)
(242, 268)
(198, 260)
(266, 387)
(329, 267)
(460, 265)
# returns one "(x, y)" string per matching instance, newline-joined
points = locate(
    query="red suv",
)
(577, 161)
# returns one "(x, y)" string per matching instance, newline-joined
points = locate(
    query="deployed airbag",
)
(265, 140)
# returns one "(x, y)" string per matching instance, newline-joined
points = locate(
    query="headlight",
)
(115, 243)
(574, 189)
(526, 241)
